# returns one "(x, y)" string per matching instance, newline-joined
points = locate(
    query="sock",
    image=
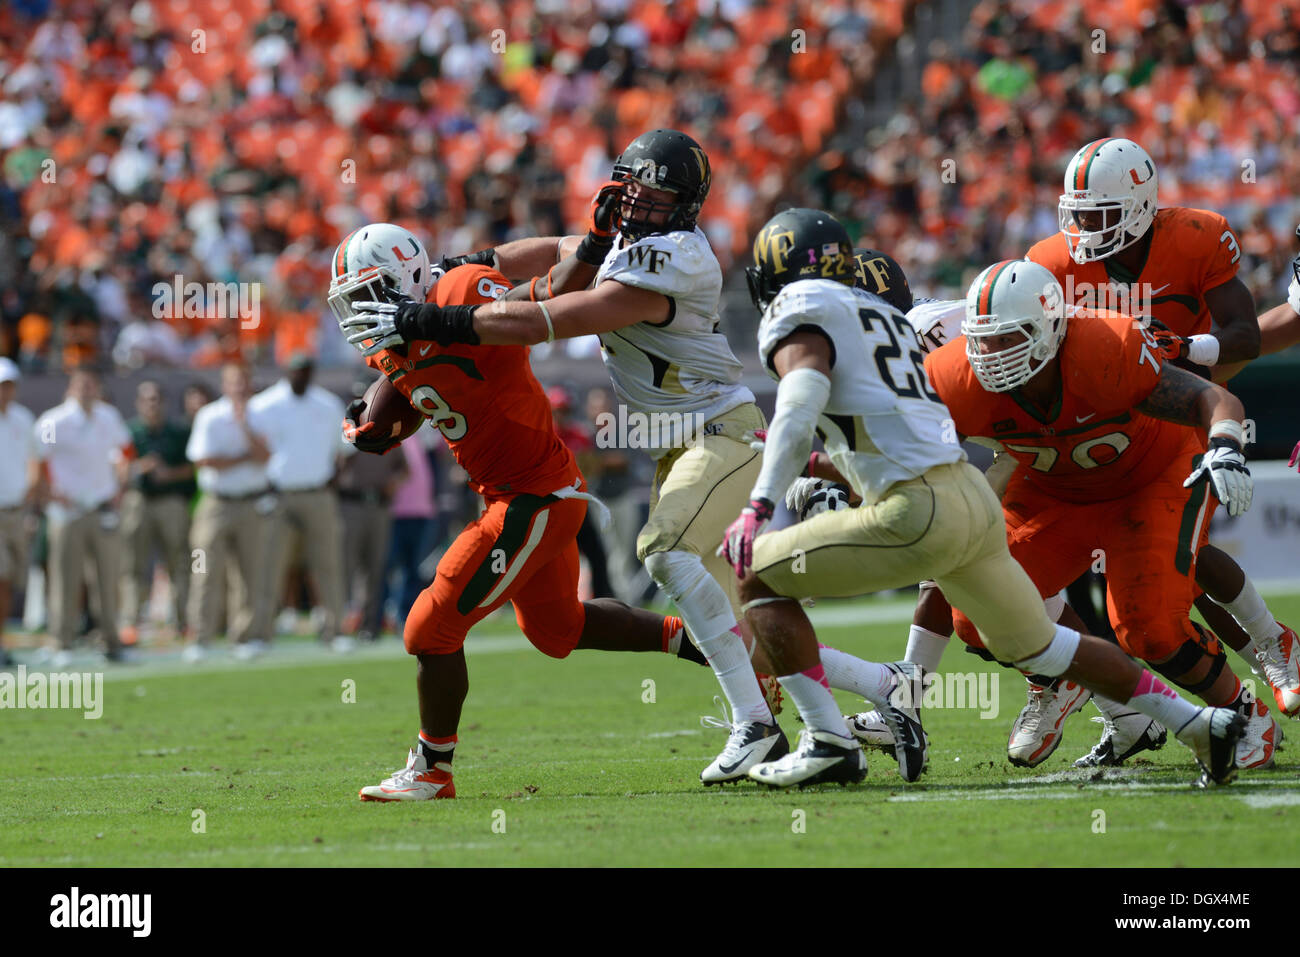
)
(729, 660)
(1253, 616)
(866, 678)
(680, 643)
(1155, 699)
(812, 696)
(437, 749)
(925, 648)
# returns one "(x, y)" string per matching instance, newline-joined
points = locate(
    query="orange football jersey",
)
(1091, 446)
(483, 399)
(1192, 250)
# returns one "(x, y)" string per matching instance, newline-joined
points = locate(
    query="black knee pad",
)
(1188, 654)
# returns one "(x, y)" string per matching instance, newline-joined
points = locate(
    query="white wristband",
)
(1293, 295)
(1203, 350)
(1229, 429)
(550, 326)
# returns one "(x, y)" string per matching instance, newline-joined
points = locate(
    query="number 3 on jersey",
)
(447, 421)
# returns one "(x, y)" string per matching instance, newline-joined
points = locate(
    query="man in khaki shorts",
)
(849, 366)
(19, 442)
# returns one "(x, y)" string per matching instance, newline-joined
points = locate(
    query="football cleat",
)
(822, 757)
(1037, 731)
(1280, 659)
(415, 782)
(872, 730)
(903, 715)
(1212, 734)
(1124, 734)
(749, 743)
(1261, 735)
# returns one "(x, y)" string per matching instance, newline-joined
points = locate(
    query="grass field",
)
(564, 763)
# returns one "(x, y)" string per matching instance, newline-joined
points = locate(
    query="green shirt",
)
(168, 443)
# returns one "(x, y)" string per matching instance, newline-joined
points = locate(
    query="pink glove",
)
(738, 542)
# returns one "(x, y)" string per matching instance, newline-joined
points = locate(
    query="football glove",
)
(362, 436)
(1225, 468)
(385, 325)
(1295, 458)
(807, 497)
(1169, 346)
(601, 224)
(738, 542)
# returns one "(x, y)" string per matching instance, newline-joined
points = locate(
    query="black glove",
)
(484, 257)
(362, 436)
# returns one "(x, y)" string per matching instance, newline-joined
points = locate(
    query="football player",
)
(1279, 327)
(1112, 445)
(497, 422)
(849, 366)
(654, 303)
(1179, 266)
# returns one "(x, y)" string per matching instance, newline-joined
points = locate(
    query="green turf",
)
(579, 770)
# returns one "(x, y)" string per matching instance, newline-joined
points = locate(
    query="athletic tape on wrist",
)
(1203, 350)
(1229, 429)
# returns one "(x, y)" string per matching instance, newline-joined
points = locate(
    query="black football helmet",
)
(668, 160)
(798, 244)
(880, 273)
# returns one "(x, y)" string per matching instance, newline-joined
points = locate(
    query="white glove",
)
(375, 321)
(807, 497)
(1225, 468)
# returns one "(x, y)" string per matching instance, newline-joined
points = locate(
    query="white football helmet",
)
(1116, 179)
(1013, 296)
(375, 261)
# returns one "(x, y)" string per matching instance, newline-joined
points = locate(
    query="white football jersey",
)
(883, 423)
(683, 365)
(937, 321)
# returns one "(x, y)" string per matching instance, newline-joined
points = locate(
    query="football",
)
(390, 410)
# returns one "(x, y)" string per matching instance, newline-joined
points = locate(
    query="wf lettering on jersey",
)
(649, 257)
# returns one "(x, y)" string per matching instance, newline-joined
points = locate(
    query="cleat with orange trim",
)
(1261, 736)
(1280, 659)
(415, 782)
(129, 635)
(1037, 731)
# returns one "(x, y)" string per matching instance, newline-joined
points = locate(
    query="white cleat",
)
(1037, 730)
(872, 730)
(1261, 736)
(749, 743)
(342, 644)
(61, 659)
(415, 782)
(1212, 734)
(249, 650)
(822, 757)
(194, 654)
(1280, 659)
(903, 715)
(1124, 734)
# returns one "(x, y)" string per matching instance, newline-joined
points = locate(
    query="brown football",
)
(391, 411)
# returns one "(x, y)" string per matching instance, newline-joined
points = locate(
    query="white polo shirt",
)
(81, 450)
(304, 432)
(18, 440)
(216, 434)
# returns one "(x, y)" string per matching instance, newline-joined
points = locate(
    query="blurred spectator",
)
(303, 428)
(82, 449)
(413, 529)
(229, 533)
(156, 509)
(366, 485)
(19, 441)
(579, 441)
(195, 397)
(147, 341)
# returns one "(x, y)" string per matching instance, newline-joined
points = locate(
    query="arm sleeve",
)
(800, 398)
